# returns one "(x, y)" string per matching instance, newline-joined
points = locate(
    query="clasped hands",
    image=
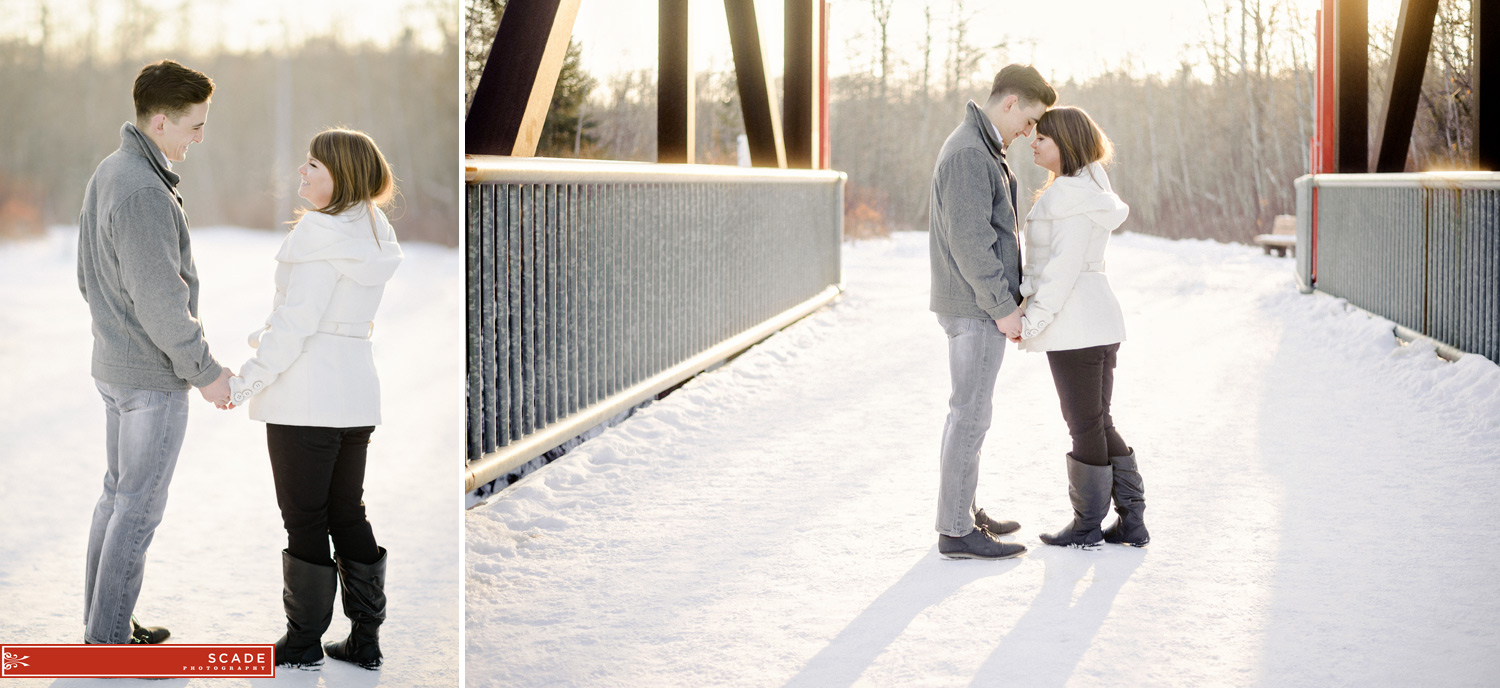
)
(1010, 325)
(217, 392)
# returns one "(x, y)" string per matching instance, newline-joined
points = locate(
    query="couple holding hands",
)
(312, 379)
(1060, 302)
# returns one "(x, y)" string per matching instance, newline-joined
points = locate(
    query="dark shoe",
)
(133, 641)
(995, 528)
(1129, 493)
(1088, 490)
(977, 545)
(364, 604)
(307, 595)
(150, 635)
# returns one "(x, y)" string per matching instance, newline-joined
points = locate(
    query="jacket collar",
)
(1087, 192)
(134, 141)
(345, 241)
(975, 117)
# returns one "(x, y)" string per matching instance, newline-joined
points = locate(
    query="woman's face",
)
(1044, 152)
(317, 184)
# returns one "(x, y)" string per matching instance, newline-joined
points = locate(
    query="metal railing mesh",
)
(584, 280)
(1420, 250)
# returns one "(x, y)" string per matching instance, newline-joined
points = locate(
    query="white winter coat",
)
(1069, 304)
(313, 364)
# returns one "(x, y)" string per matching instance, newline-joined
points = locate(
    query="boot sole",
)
(372, 666)
(969, 555)
(304, 667)
(1090, 547)
(1142, 543)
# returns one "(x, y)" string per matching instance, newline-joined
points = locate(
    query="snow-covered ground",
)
(214, 571)
(1319, 497)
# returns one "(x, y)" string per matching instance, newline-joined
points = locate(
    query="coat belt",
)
(357, 330)
(1094, 267)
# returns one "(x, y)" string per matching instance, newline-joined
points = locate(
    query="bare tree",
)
(265, 103)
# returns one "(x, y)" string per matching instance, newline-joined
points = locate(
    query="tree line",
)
(1209, 151)
(65, 104)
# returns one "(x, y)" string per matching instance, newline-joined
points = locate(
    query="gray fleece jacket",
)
(975, 252)
(135, 269)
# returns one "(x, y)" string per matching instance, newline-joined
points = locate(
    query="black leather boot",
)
(307, 595)
(364, 603)
(1129, 493)
(149, 635)
(1088, 489)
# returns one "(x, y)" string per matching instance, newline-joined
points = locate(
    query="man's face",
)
(174, 136)
(1017, 117)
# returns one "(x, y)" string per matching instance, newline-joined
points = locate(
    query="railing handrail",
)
(490, 169)
(594, 286)
(1427, 180)
(1422, 250)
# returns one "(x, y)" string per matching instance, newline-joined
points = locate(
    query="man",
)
(135, 269)
(976, 280)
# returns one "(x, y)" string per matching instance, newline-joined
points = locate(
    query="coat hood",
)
(345, 241)
(1086, 193)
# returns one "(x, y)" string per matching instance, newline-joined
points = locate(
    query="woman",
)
(1071, 314)
(312, 381)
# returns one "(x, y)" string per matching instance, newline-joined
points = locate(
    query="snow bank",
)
(214, 572)
(1316, 491)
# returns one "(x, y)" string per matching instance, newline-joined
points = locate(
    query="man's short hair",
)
(1024, 81)
(169, 88)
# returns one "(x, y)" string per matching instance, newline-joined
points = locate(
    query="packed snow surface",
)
(1319, 503)
(213, 574)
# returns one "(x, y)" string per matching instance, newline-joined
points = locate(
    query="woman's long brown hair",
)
(1079, 140)
(359, 171)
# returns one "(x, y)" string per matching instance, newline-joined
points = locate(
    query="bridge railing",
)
(593, 286)
(1422, 250)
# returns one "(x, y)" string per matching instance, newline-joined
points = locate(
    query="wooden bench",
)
(1283, 237)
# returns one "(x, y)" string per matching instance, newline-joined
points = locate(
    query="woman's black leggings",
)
(320, 475)
(1084, 380)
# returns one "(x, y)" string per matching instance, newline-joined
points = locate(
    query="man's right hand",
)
(217, 392)
(1010, 325)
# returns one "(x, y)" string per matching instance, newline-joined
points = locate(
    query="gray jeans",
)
(975, 350)
(143, 433)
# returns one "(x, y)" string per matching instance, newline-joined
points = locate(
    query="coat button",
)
(258, 385)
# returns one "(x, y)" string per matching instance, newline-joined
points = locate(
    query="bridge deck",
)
(1319, 501)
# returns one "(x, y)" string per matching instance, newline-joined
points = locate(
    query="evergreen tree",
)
(568, 131)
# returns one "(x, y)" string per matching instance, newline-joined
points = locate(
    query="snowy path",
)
(214, 572)
(1318, 497)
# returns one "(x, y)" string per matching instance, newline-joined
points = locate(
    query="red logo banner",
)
(137, 661)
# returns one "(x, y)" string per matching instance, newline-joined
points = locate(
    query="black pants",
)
(320, 476)
(1084, 379)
